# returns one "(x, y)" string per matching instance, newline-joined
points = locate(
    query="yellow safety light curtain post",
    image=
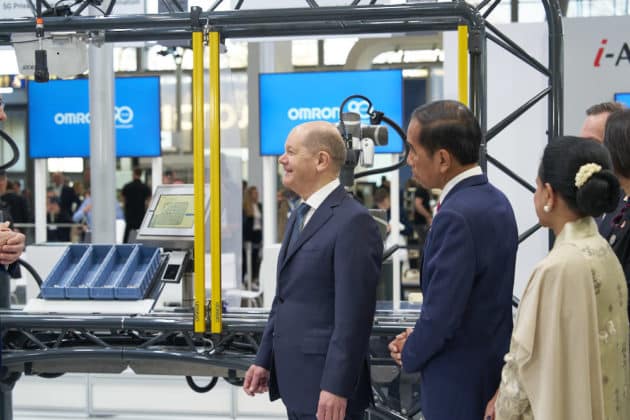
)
(199, 311)
(215, 183)
(462, 63)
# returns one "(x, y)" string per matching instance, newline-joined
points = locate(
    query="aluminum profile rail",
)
(242, 321)
(353, 20)
(48, 344)
(553, 92)
(265, 23)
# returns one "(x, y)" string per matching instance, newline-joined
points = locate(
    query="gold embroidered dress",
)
(568, 356)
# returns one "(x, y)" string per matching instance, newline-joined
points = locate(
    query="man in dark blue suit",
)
(314, 351)
(467, 277)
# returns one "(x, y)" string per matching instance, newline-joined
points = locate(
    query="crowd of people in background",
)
(69, 207)
(566, 354)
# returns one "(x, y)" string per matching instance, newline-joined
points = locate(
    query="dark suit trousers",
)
(292, 415)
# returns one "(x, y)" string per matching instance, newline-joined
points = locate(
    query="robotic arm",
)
(361, 140)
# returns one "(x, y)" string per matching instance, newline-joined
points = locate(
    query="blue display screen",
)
(59, 118)
(289, 99)
(623, 98)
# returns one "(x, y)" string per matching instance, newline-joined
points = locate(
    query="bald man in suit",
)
(314, 351)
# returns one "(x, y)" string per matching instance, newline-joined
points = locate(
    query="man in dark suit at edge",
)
(314, 350)
(11, 247)
(12, 242)
(467, 277)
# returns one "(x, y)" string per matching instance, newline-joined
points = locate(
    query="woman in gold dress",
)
(568, 357)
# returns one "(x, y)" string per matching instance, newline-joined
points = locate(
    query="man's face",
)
(425, 167)
(594, 126)
(3, 115)
(299, 163)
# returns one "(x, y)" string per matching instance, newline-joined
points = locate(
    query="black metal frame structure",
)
(45, 345)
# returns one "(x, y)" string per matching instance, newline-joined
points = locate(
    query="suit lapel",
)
(323, 213)
(468, 182)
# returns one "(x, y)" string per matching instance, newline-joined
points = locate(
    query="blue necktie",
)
(299, 223)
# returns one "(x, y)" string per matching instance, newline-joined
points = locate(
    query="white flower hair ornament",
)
(585, 172)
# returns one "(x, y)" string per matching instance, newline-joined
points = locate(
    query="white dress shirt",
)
(468, 173)
(317, 198)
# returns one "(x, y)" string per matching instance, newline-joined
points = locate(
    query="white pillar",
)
(272, 57)
(102, 144)
(39, 194)
(156, 172)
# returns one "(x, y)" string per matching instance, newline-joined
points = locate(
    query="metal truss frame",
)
(353, 19)
(44, 344)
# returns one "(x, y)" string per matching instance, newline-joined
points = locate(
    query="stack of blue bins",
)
(102, 272)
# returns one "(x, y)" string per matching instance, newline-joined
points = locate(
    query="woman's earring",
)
(546, 208)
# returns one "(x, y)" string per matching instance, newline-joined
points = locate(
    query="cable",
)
(389, 251)
(342, 125)
(41, 60)
(201, 389)
(400, 163)
(14, 149)
(376, 117)
(232, 379)
(50, 375)
(31, 270)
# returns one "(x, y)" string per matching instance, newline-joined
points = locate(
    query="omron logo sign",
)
(616, 54)
(123, 116)
(327, 112)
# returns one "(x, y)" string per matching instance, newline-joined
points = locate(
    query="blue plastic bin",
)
(120, 257)
(89, 271)
(138, 274)
(63, 272)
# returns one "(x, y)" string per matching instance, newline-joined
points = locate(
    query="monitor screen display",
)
(174, 211)
(623, 98)
(289, 99)
(59, 118)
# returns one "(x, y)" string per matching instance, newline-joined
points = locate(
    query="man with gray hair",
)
(314, 351)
